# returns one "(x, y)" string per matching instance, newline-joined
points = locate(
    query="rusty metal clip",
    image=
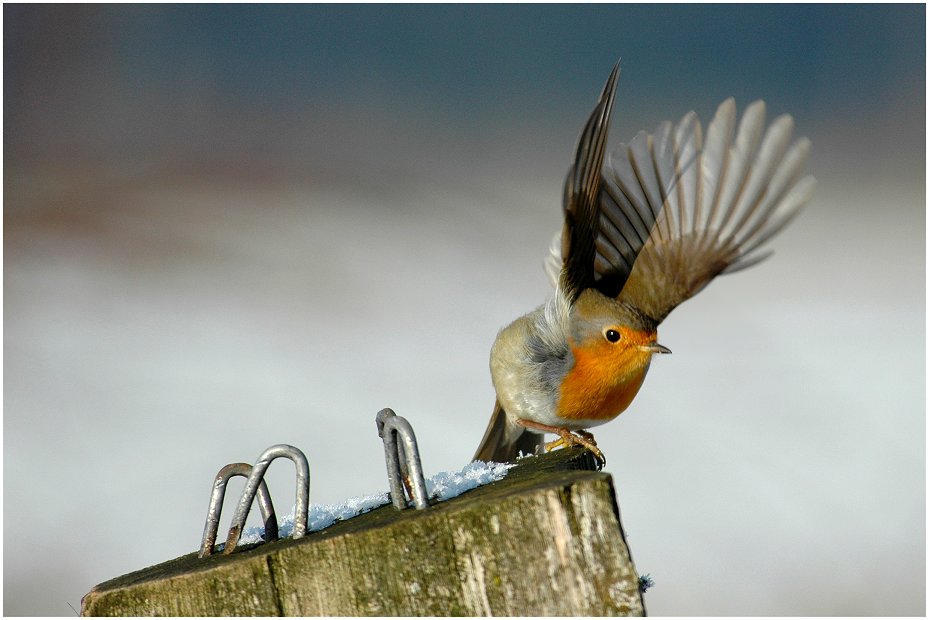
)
(404, 469)
(302, 502)
(216, 507)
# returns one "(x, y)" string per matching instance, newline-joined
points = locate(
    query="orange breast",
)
(602, 382)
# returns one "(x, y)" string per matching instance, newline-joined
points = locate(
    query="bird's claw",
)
(567, 438)
(577, 438)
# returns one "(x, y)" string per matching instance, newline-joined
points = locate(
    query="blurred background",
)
(232, 226)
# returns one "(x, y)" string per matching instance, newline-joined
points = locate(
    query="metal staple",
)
(216, 507)
(404, 468)
(256, 478)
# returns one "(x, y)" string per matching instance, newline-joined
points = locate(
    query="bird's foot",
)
(567, 438)
(583, 438)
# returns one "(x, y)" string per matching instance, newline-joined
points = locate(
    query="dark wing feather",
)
(582, 194)
(605, 226)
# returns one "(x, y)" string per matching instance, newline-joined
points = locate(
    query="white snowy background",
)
(230, 228)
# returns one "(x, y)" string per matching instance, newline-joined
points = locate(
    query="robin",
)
(643, 232)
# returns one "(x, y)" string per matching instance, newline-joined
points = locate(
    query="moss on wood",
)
(545, 540)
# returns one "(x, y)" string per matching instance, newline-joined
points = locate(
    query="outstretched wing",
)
(581, 196)
(716, 202)
(602, 234)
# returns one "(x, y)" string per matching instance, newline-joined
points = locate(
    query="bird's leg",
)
(566, 438)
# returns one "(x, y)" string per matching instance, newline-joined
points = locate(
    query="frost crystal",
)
(442, 486)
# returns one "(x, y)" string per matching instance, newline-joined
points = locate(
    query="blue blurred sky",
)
(201, 78)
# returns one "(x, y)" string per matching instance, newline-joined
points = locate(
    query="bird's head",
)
(612, 336)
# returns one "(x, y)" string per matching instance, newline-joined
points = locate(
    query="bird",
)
(646, 227)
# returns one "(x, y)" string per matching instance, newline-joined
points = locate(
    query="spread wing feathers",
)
(581, 196)
(714, 202)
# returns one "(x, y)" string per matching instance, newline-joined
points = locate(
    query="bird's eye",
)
(612, 335)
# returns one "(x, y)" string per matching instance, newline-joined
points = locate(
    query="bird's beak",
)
(655, 348)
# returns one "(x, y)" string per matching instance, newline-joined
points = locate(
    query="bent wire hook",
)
(216, 507)
(256, 478)
(404, 468)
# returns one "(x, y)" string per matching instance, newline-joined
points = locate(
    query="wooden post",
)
(544, 541)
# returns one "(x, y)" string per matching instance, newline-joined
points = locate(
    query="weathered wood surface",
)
(544, 541)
